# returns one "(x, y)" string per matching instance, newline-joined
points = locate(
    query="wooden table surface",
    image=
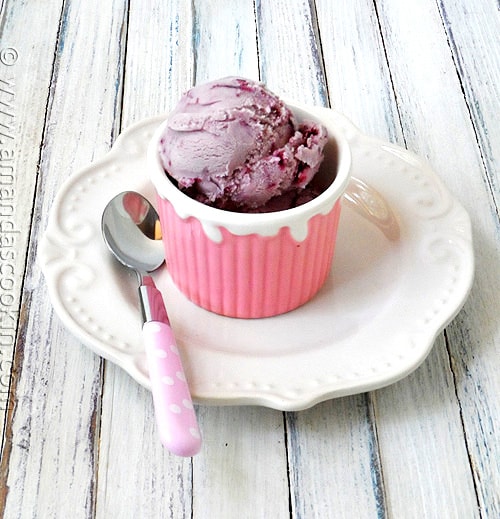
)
(79, 438)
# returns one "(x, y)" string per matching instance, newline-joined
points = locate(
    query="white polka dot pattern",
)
(174, 410)
(194, 432)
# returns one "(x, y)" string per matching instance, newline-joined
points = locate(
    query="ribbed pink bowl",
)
(253, 265)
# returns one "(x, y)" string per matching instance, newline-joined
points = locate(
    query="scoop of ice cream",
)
(233, 144)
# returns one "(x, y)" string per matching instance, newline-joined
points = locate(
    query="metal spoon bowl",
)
(131, 229)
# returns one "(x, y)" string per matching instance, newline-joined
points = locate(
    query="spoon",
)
(131, 230)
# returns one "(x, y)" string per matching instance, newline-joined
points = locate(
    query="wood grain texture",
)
(289, 29)
(358, 75)
(137, 477)
(225, 478)
(134, 469)
(333, 429)
(224, 36)
(159, 58)
(79, 438)
(425, 463)
(54, 428)
(366, 68)
(475, 335)
(431, 97)
(349, 483)
(228, 478)
(242, 470)
(23, 99)
(468, 29)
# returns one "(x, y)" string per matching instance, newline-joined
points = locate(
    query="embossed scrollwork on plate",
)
(429, 198)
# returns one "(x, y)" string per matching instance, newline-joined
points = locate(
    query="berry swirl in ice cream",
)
(234, 145)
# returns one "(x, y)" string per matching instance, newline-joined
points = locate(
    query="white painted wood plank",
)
(226, 477)
(230, 476)
(159, 65)
(49, 460)
(359, 82)
(289, 52)
(50, 467)
(336, 470)
(136, 476)
(323, 443)
(53, 430)
(359, 76)
(225, 40)
(424, 458)
(241, 471)
(472, 31)
(436, 124)
(23, 99)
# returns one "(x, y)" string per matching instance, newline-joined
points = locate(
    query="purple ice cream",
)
(233, 144)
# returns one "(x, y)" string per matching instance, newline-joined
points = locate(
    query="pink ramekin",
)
(253, 265)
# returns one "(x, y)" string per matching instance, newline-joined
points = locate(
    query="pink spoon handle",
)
(175, 416)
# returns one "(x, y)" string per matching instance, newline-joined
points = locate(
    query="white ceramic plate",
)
(373, 322)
